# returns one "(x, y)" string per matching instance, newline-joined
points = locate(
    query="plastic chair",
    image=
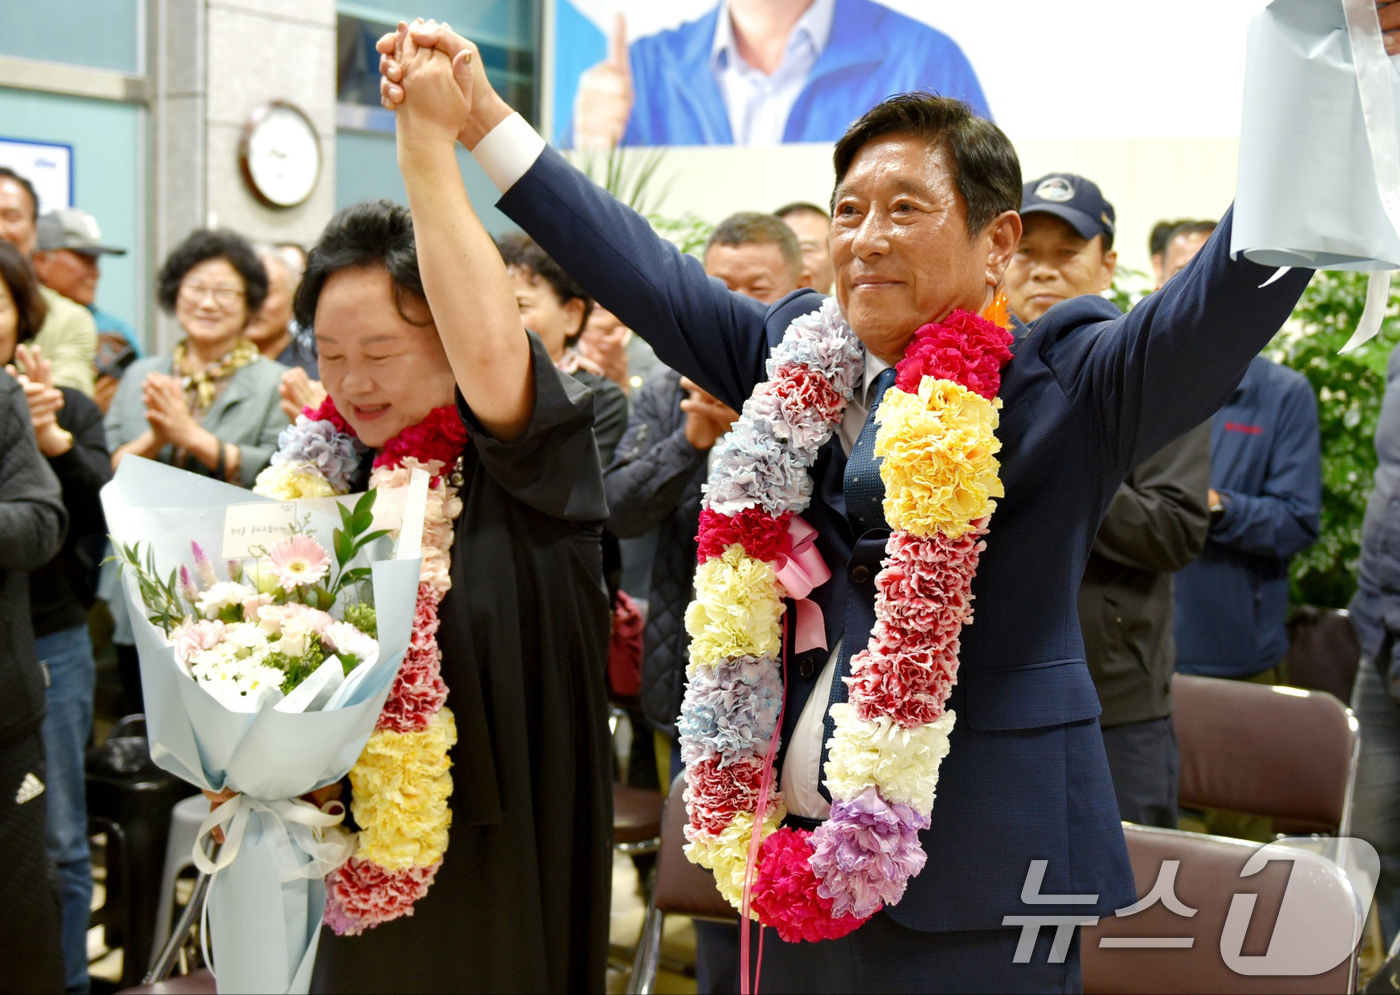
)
(1314, 893)
(1281, 752)
(681, 888)
(185, 819)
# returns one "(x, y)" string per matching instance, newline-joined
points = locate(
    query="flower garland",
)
(400, 784)
(938, 448)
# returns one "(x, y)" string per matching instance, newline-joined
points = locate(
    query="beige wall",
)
(1147, 179)
(212, 63)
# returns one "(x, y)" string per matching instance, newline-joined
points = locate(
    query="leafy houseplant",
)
(1349, 389)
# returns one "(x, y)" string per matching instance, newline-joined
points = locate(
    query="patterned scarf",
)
(202, 386)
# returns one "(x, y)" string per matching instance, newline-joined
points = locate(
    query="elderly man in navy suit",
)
(924, 222)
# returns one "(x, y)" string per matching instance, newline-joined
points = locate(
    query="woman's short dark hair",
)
(372, 233)
(986, 170)
(202, 246)
(24, 291)
(523, 252)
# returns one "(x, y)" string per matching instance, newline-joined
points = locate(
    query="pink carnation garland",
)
(361, 894)
(823, 885)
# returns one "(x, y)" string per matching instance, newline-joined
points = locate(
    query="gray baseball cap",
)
(70, 228)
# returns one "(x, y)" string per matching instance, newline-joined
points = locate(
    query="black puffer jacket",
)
(654, 481)
(32, 524)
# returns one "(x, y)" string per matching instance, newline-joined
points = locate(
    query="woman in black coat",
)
(32, 522)
(67, 426)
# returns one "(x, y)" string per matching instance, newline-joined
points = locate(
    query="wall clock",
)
(280, 154)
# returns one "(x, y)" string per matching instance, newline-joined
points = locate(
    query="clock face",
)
(281, 154)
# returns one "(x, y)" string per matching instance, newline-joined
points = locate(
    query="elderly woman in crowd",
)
(213, 406)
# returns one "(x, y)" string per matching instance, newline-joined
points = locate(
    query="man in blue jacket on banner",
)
(760, 72)
(925, 222)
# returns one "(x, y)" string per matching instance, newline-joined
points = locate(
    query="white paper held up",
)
(1319, 170)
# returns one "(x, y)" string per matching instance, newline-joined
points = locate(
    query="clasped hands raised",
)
(430, 80)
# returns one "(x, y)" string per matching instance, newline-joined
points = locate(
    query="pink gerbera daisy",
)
(299, 561)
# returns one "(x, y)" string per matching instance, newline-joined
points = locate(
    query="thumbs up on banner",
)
(605, 96)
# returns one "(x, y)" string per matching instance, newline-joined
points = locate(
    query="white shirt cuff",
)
(508, 151)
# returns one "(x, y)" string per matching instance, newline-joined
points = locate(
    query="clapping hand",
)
(607, 349)
(299, 392)
(45, 400)
(167, 412)
(707, 418)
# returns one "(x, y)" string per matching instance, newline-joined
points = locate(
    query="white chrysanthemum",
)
(902, 763)
(222, 595)
(344, 638)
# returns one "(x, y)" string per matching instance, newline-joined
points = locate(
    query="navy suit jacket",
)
(1088, 394)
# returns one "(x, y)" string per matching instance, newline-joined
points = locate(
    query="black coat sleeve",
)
(609, 417)
(654, 464)
(553, 467)
(32, 519)
(1159, 517)
(84, 469)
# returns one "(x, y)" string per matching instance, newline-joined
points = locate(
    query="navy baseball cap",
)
(1072, 198)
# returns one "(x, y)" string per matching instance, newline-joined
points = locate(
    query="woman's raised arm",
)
(471, 297)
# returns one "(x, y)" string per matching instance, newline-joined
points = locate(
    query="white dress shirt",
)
(506, 154)
(758, 103)
(802, 762)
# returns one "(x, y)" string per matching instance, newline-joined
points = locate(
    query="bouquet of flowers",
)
(265, 678)
(263, 636)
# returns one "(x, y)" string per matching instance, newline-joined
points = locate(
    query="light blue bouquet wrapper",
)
(266, 898)
(1319, 168)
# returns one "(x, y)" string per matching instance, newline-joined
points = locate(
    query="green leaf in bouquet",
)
(355, 576)
(363, 517)
(344, 547)
(369, 537)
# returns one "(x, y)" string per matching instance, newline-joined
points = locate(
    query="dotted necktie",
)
(865, 491)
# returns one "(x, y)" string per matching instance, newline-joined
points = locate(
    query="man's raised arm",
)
(1146, 377)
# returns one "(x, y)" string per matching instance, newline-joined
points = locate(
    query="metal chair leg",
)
(163, 961)
(648, 960)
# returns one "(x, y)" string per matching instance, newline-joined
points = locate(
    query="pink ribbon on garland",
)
(801, 571)
(765, 784)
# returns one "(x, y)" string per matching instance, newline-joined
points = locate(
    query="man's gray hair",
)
(753, 228)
